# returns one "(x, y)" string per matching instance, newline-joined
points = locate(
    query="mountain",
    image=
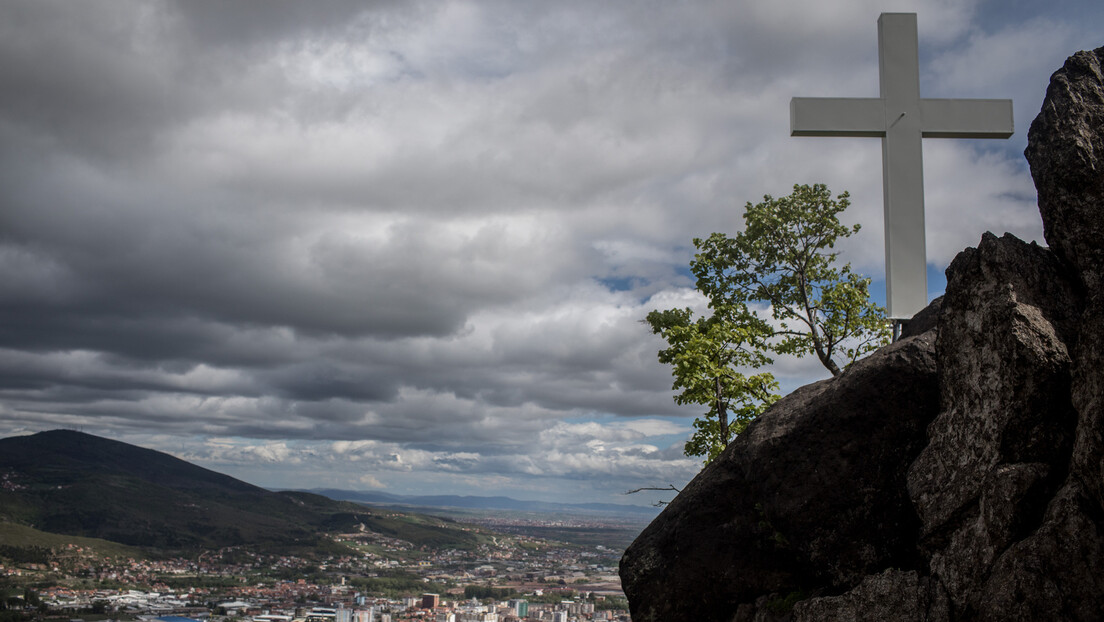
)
(956, 474)
(68, 482)
(488, 503)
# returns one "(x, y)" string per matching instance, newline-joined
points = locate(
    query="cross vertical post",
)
(901, 119)
(902, 166)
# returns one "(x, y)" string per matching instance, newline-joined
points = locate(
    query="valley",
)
(92, 528)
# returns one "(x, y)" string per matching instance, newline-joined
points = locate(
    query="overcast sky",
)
(407, 245)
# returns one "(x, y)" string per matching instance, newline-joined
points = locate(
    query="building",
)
(520, 607)
(321, 615)
(431, 601)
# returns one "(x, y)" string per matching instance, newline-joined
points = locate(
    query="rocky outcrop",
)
(812, 494)
(1066, 152)
(957, 474)
(1000, 449)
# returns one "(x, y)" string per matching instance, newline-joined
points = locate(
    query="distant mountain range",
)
(68, 482)
(488, 503)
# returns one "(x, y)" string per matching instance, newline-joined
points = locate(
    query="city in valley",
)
(517, 569)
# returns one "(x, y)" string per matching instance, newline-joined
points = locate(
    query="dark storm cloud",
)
(89, 258)
(71, 77)
(107, 80)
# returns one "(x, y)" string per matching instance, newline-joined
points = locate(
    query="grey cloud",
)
(324, 381)
(157, 265)
(81, 76)
(233, 24)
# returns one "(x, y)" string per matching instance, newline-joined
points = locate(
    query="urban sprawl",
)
(508, 579)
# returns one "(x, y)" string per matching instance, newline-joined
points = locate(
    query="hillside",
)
(15, 536)
(68, 482)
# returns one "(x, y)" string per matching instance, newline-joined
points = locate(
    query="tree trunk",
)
(814, 334)
(722, 412)
(828, 362)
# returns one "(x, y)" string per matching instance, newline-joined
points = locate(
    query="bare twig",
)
(657, 504)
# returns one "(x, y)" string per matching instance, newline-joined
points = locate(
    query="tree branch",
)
(657, 504)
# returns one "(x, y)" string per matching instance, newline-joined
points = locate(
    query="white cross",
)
(901, 118)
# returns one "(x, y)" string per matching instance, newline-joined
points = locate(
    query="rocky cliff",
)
(957, 474)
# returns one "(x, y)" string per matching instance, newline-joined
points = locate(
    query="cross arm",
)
(966, 118)
(837, 116)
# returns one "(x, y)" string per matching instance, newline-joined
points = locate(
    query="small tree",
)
(706, 355)
(784, 258)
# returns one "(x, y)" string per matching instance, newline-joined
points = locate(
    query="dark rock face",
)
(812, 493)
(1066, 153)
(1000, 449)
(891, 595)
(957, 474)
